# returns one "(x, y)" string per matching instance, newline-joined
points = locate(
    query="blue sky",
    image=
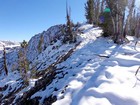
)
(21, 19)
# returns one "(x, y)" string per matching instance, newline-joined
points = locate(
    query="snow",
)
(101, 81)
(10, 46)
(93, 78)
(48, 36)
(98, 72)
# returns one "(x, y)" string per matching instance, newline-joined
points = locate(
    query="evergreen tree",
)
(23, 62)
(24, 44)
(40, 43)
(89, 7)
(118, 14)
(69, 37)
(106, 23)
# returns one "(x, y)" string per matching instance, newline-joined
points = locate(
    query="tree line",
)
(122, 15)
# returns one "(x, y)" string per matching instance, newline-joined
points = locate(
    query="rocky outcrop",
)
(52, 34)
(48, 76)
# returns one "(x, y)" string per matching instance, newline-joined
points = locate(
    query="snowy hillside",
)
(10, 46)
(92, 71)
(100, 73)
(48, 36)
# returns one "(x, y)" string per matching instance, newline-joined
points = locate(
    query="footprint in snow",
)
(137, 56)
(109, 63)
(108, 75)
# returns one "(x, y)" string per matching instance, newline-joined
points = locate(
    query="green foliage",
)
(107, 24)
(40, 44)
(24, 44)
(69, 36)
(89, 11)
(23, 65)
(33, 74)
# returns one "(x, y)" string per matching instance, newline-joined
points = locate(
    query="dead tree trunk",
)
(102, 6)
(117, 12)
(4, 60)
(129, 16)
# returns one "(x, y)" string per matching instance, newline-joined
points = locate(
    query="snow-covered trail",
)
(100, 85)
(98, 71)
(99, 80)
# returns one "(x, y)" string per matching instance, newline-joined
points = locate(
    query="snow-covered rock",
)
(53, 33)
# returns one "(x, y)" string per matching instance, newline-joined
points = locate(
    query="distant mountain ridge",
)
(10, 46)
(8, 43)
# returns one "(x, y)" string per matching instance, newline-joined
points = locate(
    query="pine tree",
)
(89, 11)
(24, 44)
(39, 47)
(106, 23)
(118, 14)
(23, 62)
(69, 37)
(69, 25)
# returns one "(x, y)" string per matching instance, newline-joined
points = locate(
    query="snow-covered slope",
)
(93, 71)
(52, 34)
(9, 46)
(100, 73)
